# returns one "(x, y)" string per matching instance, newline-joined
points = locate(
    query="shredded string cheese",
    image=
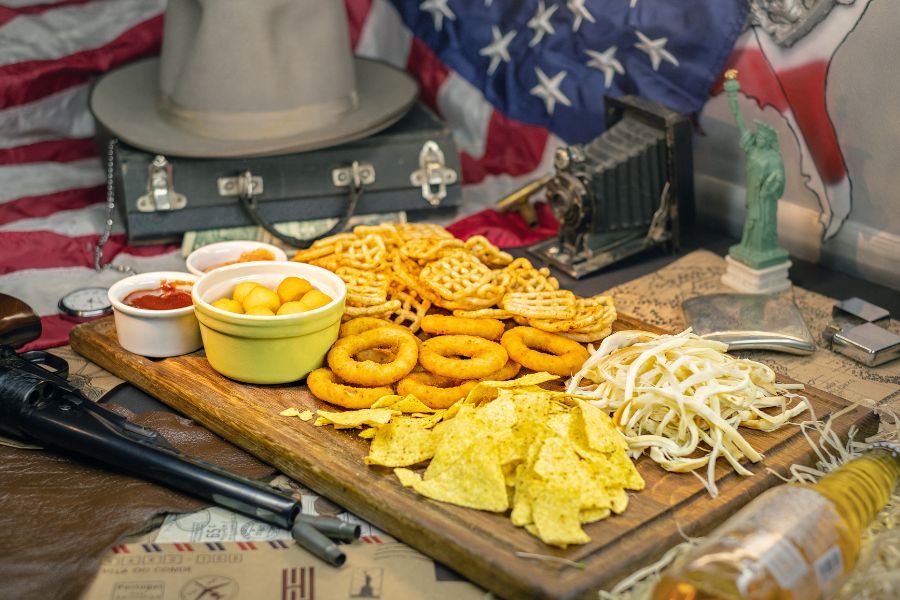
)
(681, 399)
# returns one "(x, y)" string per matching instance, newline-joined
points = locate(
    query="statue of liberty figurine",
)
(759, 247)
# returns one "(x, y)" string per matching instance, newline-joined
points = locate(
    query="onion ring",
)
(483, 357)
(490, 329)
(435, 391)
(505, 373)
(370, 373)
(324, 385)
(361, 324)
(541, 351)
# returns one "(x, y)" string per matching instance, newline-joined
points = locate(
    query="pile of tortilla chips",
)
(553, 459)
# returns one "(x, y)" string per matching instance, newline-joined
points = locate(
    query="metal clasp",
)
(246, 185)
(357, 174)
(161, 194)
(432, 176)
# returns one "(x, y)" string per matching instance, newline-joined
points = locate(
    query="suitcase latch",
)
(161, 194)
(357, 174)
(246, 185)
(432, 176)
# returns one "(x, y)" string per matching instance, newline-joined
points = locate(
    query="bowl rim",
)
(192, 257)
(198, 301)
(146, 312)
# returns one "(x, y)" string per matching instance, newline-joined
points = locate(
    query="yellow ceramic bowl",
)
(276, 349)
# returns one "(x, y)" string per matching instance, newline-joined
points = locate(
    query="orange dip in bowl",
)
(167, 296)
(248, 256)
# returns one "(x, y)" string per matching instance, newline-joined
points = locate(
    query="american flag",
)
(514, 79)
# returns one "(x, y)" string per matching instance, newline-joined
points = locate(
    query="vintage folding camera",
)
(630, 189)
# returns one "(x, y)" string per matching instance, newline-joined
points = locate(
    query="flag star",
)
(548, 89)
(655, 49)
(498, 50)
(581, 13)
(540, 22)
(438, 10)
(606, 61)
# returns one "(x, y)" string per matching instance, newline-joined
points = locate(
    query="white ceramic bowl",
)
(154, 333)
(209, 256)
(257, 349)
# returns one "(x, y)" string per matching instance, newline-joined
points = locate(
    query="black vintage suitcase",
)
(412, 166)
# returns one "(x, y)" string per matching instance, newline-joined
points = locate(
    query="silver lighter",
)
(855, 334)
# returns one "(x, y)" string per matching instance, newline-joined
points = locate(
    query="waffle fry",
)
(525, 278)
(488, 253)
(423, 230)
(366, 253)
(365, 288)
(456, 276)
(558, 304)
(588, 337)
(413, 308)
(591, 315)
(483, 313)
(427, 249)
(383, 309)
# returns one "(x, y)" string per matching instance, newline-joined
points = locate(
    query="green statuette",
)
(765, 183)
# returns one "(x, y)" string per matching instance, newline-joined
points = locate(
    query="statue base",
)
(770, 280)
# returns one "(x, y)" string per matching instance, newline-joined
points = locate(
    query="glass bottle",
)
(793, 542)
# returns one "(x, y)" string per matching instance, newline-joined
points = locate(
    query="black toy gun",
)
(38, 405)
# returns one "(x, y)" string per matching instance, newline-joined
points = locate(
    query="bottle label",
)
(785, 563)
(829, 566)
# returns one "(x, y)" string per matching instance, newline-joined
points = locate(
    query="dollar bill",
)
(298, 229)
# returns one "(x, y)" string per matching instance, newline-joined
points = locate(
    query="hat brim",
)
(125, 101)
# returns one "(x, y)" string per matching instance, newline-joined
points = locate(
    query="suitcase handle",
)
(249, 204)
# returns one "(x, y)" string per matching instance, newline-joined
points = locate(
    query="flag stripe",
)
(36, 179)
(60, 115)
(48, 204)
(54, 332)
(357, 13)
(27, 81)
(47, 249)
(383, 35)
(428, 69)
(75, 28)
(9, 12)
(62, 151)
(74, 222)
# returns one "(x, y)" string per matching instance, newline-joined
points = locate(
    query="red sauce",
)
(166, 297)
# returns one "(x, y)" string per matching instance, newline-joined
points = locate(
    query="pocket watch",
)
(85, 303)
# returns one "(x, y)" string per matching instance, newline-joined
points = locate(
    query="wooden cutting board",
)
(479, 545)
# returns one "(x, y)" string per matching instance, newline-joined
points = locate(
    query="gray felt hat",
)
(251, 78)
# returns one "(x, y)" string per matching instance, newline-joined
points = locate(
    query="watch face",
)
(86, 302)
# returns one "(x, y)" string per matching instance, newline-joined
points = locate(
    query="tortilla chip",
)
(556, 514)
(474, 480)
(598, 428)
(290, 412)
(618, 500)
(356, 418)
(407, 477)
(368, 434)
(488, 390)
(403, 442)
(404, 404)
(591, 515)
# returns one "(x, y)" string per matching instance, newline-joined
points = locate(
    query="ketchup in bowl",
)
(166, 297)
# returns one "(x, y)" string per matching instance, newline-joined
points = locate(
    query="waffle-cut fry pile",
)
(399, 272)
